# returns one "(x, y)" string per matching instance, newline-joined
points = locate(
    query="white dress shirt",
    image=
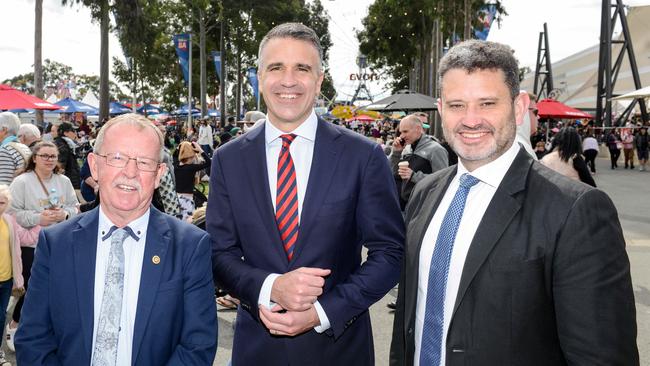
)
(478, 199)
(133, 256)
(302, 152)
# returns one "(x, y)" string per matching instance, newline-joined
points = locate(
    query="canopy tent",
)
(150, 109)
(69, 105)
(362, 118)
(549, 108)
(404, 100)
(116, 108)
(91, 99)
(637, 94)
(11, 98)
(183, 110)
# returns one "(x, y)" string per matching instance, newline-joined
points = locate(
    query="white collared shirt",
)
(478, 199)
(302, 152)
(133, 257)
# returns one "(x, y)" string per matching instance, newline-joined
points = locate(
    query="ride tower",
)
(608, 72)
(362, 92)
(543, 86)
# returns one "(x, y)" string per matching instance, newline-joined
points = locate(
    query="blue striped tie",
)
(434, 316)
(286, 202)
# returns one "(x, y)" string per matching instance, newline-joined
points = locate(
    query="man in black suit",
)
(507, 262)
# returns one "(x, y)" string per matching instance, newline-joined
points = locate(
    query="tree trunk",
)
(239, 85)
(467, 30)
(202, 58)
(103, 62)
(38, 56)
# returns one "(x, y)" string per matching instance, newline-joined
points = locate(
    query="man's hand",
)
(290, 323)
(398, 144)
(298, 290)
(405, 172)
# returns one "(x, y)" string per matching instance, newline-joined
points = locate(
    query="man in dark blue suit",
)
(123, 284)
(291, 204)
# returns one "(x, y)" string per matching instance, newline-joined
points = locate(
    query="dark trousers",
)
(28, 258)
(613, 155)
(5, 294)
(629, 157)
(590, 159)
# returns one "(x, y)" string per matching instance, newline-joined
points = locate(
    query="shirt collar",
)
(306, 130)
(139, 225)
(493, 172)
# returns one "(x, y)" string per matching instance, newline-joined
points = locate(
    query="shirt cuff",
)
(324, 320)
(265, 292)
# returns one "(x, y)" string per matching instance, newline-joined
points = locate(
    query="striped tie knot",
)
(287, 139)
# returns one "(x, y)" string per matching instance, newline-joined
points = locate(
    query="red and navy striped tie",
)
(286, 202)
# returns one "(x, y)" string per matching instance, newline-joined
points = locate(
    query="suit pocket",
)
(173, 285)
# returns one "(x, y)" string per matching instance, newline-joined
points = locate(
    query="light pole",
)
(189, 80)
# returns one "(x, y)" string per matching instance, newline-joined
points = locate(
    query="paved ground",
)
(630, 191)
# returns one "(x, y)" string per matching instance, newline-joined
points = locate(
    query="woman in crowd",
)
(565, 156)
(614, 144)
(628, 148)
(185, 171)
(40, 197)
(590, 151)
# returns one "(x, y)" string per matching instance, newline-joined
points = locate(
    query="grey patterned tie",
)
(108, 329)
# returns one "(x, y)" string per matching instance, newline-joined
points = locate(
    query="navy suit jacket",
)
(176, 315)
(350, 202)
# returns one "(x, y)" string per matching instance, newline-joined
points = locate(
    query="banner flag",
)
(216, 57)
(252, 79)
(182, 45)
(486, 17)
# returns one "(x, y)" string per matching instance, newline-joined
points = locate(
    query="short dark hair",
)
(475, 55)
(297, 31)
(567, 143)
(65, 127)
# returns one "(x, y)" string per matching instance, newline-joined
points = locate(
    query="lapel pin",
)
(155, 259)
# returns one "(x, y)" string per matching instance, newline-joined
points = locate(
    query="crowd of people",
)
(97, 241)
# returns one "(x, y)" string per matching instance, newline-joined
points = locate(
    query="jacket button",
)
(410, 331)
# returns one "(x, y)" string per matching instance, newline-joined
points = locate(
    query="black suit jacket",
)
(546, 280)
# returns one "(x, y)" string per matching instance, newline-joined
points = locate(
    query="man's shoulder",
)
(548, 187)
(182, 231)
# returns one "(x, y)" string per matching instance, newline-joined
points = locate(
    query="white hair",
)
(10, 121)
(28, 129)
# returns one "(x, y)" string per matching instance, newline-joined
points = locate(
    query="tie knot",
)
(288, 138)
(120, 234)
(468, 181)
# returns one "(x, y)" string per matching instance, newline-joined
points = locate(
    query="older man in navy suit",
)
(123, 284)
(291, 204)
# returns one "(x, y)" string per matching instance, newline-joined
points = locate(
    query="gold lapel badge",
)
(155, 259)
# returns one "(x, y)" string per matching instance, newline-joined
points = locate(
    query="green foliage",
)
(395, 32)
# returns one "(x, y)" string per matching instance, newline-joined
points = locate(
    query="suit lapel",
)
(327, 152)
(254, 158)
(158, 239)
(84, 251)
(501, 210)
(418, 226)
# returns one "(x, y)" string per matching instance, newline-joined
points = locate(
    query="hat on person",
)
(234, 130)
(186, 151)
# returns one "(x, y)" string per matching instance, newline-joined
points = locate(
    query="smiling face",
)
(478, 115)
(126, 193)
(290, 79)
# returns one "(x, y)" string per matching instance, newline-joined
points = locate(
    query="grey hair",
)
(413, 120)
(476, 55)
(5, 191)
(10, 121)
(129, 119)
(297, 31)
(30, 130)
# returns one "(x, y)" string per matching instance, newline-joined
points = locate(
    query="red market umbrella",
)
(362, 118)
(549, 108)
(11, 98)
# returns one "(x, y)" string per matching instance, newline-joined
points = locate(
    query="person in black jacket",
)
(185, 171)
(64, 138)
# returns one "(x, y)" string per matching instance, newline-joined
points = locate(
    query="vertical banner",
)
(216, 57)
(252, 79)
(486, 17)
(182, 45)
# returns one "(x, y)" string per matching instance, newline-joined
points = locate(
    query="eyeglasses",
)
(535, 111)
(47, 157)
(118, 160)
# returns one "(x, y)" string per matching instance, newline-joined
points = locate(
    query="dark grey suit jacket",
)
(546, 280)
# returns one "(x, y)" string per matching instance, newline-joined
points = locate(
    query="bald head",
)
(410, 128)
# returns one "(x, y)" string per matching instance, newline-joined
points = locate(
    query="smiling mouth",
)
(287, 96)
(126, 188)
(473, 135)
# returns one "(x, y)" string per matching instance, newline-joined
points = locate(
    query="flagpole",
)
(189, 82)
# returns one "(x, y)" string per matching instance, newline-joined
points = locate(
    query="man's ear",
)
(521, 104)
